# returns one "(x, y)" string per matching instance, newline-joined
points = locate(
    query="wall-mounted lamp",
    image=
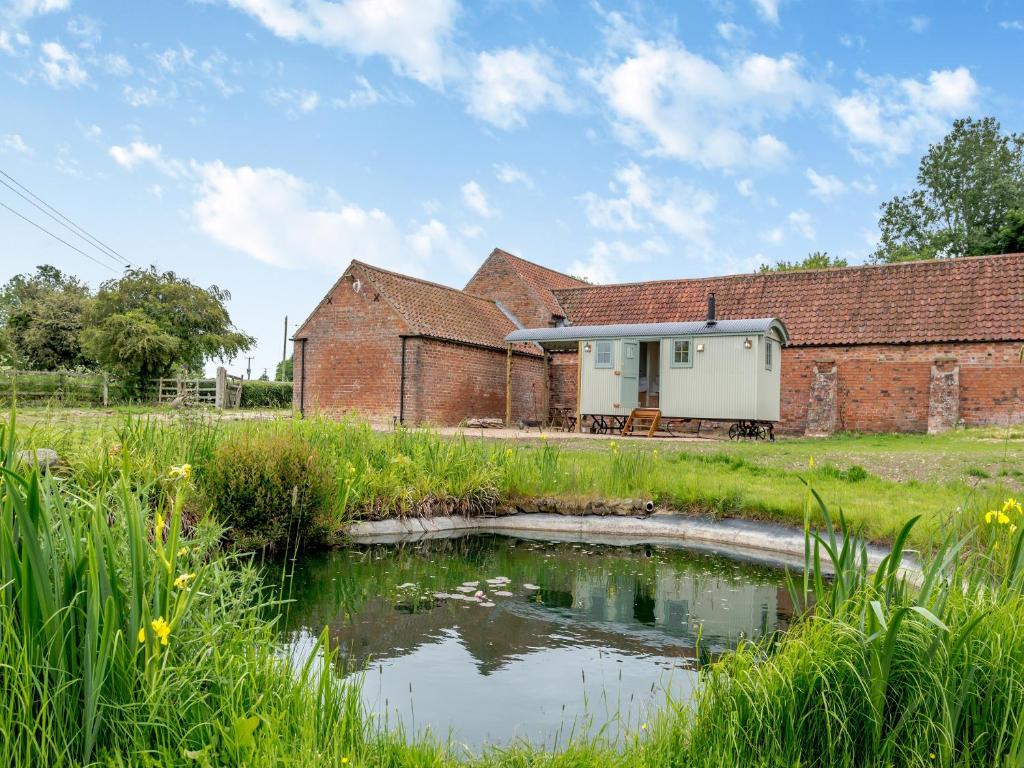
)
(747, 343)
(700, 347)
(586, 347)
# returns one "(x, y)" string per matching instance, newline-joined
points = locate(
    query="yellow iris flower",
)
(160, 628)
(184, 472)
(182, 581)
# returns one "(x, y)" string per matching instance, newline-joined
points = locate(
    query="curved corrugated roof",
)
(757, 325)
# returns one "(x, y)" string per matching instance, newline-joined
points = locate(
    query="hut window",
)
(767, 354)
(682, 353)
(603, 356)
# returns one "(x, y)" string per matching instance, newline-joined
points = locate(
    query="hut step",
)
(646, 419)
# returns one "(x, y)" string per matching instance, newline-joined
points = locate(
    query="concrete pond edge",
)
(750, 540)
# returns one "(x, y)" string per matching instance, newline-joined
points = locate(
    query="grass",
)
(879, 481)
(129, 636)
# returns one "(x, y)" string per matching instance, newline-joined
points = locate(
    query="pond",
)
(489, 639)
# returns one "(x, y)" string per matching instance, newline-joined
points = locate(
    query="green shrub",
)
(266, 394)
(268, 487)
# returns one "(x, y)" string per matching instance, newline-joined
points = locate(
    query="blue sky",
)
(262, 144)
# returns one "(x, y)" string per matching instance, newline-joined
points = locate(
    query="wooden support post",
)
(508, 387)
(546, 413)
(579, 386)
(106, 390)
(220, 399)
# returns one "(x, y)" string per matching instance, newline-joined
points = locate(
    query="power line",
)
(57, 237)
(71, 226)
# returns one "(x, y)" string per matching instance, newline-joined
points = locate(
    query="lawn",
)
(879, 481)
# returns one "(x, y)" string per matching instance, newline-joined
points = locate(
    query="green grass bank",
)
(262, 477)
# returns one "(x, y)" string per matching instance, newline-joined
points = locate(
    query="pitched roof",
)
(541, 279)
(966, 299)
(441, 312)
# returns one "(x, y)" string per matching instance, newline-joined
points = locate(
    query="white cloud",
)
(298, 101)
(892, 117)
(12, 142)
(774, 236)
(433, 241)
(767, 10)
(866, 186)
(919, 23)
(509, 84)
(277, 218)
(671, 102)
(86, 28)
(509, 174)
(604, 258)
(613, 214)
(271, 216)
(471, 231)
(827, 186)
(117, 65)
(732, 32)
(476, 200)
(1014, 24)
(138, 153)
(801, 222)
(411, 34)
(646, 202)
(60, 67)
(745, 187)
(156, 191)
(14, 13)
(141, 96)
(365, 95)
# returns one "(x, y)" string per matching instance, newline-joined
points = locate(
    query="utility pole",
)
(284, 348)
(248, 368)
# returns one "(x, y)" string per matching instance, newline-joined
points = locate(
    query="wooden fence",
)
(65, 387)
(224, 391)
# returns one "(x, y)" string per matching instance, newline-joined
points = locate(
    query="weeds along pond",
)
(492, 639)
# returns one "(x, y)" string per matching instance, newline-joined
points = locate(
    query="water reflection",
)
(563, 637)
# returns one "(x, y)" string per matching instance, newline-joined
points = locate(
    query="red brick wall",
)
(883, 388)
(448, 383)
(563, 378)
(353, 351)
(495, 280)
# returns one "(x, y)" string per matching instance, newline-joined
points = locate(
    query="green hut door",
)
(630, 374)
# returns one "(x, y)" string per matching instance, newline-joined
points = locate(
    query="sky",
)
(260, 145)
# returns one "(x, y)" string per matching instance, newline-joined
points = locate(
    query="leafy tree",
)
(284, 369)
(146, 323)
(968, 186)
(816, 260)
(42, 316)
(1009, 238)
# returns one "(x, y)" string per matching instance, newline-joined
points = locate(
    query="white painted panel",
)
(721, 384)
(602, 387)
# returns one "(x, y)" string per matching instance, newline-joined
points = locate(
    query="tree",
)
(146, 323)
(816, 260)
(284, 369)
(968, 186)
(42, 316)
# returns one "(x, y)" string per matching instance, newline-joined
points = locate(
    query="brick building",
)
(392, 347)
(906, 347)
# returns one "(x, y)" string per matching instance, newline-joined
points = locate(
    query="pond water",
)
(563, 638)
